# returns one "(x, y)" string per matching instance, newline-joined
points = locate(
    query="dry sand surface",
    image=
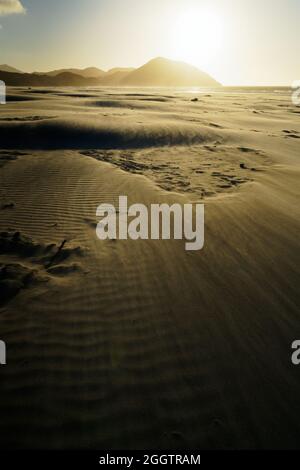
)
(140, 344)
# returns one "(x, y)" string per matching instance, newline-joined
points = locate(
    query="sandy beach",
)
(141, 344)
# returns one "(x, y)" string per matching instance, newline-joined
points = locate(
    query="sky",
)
(238, 42)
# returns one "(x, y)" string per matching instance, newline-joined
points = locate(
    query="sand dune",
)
(88, 133)
(140, 344)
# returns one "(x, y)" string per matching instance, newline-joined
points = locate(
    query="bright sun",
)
(197, 36)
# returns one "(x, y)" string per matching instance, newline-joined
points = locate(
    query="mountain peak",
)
(166, 72)
(8, 68)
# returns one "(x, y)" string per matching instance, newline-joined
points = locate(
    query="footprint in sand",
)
(37, 263)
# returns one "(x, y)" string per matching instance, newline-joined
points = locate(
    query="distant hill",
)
(8, 68)
(63, 79)
(114, 77)
(120, 70)
(164, 72)
(89, 72)
(158, 72)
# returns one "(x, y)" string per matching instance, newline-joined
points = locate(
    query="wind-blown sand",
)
(140, 344)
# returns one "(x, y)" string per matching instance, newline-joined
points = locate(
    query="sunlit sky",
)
(238, 42)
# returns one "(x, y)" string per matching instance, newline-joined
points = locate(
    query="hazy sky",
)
(237, 41)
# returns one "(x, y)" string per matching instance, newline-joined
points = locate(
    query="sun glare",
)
(197, 36)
